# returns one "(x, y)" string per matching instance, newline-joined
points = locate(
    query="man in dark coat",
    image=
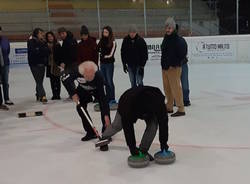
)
(68, 49)
(174, 51)
(134, 54)
(38, 53)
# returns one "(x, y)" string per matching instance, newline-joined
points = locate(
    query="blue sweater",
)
(5, 45)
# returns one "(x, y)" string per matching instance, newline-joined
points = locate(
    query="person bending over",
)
(90, 84)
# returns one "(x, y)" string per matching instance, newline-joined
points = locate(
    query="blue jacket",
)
(5, 45)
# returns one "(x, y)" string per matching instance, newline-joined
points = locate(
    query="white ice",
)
(212, 142)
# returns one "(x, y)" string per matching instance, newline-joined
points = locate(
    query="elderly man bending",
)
(90, 84)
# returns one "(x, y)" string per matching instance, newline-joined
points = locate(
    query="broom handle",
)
(89, 120)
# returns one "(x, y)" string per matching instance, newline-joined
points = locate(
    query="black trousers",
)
(55, 84)
(152, 124)
(38, 73)
(1, 96)
(86, 97)
(148, 136)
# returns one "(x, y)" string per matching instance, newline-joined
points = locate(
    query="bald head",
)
(88, 70)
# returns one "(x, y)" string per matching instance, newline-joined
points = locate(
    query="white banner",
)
(213, 49)
(200, 49)
(154, 49)
(18, 53)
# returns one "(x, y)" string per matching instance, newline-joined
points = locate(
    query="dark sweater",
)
(143, 102)
(94, 87)
(38, 52)
(106, 52)
(87, 51)
(134, 52)
(174, 51)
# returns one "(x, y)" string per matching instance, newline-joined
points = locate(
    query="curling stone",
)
(164, 157)
(138, 161)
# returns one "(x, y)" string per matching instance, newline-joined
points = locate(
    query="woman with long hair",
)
(53, 70)
(107, 47)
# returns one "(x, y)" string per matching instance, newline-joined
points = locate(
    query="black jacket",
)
(106, 52)
(143, 102)
(69, 50)
(38, 52)
(134, 52)
(174, 51)
(94, 87)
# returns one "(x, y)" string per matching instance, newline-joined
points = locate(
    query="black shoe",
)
(104, 148)
(187, 103)
(8, 102)
(4, 107)
(56, 98)
(170, 112)
(88, 137)
(178, 113)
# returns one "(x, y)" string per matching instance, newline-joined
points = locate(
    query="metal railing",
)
(149, 15)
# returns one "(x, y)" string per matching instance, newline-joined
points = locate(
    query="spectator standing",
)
(174, 51)
(87, 48)
(5, 49)
(38, 53)
(53, 70)
(134, 54)
(107, 47)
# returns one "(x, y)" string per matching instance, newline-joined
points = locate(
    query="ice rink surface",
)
(212, 142)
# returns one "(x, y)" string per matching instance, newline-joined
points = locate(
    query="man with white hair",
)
(174, 52)
(90, 84)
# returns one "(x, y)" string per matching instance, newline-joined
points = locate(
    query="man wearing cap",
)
(174, 51)
(134, 54)
(68, 49)
(4, 52)
(87, 48)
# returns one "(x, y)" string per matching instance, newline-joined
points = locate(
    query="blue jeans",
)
(108, 73)
(185, 83)
(5, 81)
(135, 78)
